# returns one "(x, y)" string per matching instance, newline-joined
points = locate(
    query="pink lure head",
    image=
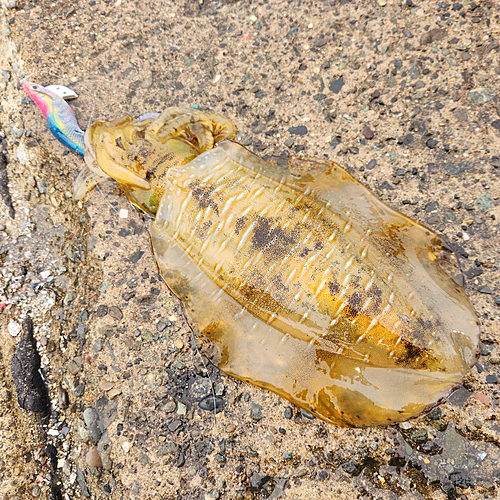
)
(42, 97)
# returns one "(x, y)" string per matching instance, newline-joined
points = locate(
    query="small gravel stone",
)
(161, 325)
(435, 413)
(42, 186)
(258, 481)
(208, 403)
(306, 414)
(320, 42)
(143, 459)
(91, 419)
(75, 365)
(256, 411)
(434, 35)
(14, 328)
(98, 345)
(80, 477)
(167, 448)
(368, 132)
(169, 407)
(135, 257)
(336, 85)
(491, 379)
(92, 457)
(288, 412)
(371, 164)
(482, 95)
(418, 435)
(115, 312)
(300, 130)
(485, 202)
(174, 425)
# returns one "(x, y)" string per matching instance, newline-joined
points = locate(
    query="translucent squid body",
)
(305, 282)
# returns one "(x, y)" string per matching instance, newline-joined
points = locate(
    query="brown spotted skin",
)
(310, 286)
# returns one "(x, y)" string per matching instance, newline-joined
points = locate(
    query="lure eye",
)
(34, 87)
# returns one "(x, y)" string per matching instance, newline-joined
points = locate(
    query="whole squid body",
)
(304, 281)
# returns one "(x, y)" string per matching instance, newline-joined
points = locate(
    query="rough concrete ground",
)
(405, 94)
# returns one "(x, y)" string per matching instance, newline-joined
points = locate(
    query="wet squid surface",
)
(305, 283)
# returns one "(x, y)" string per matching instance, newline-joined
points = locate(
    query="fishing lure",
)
(59, 115)
(306, 283)
(62, 122)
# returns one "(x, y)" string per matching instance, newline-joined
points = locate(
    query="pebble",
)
(368, 132)
(169, 407)
(485, 202)
(114, 392)
(143, 459)
(91, 419)
(306, 414)
(181, 408)
(115, 312)
(230, 428)
(371, 164)
(14, 328)
(405, 425)
(6, 75)
(106, 385)
(258, 481)
(336, 85)
(300, 130)
(212, 495)
(433, 35)
(104, 448)
(136, 256)
(42, 186)
(4, 396)
(161, 325)
(179, 344)
(75, 365)
(207, 403)
(256, 411)
(167, 448)
(92, 457)
(80, 478)
(123, 213)
(174, 425)
(98, 345)
(482, 95)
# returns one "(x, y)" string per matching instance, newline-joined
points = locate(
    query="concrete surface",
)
(124, 373)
